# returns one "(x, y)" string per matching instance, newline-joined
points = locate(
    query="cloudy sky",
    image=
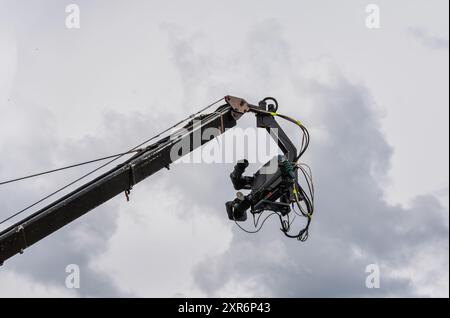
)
(375, 100)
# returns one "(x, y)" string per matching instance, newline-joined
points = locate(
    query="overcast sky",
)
(375, 100)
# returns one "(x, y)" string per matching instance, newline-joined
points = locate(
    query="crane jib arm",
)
(122, 178)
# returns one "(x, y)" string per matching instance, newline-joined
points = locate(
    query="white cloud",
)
(17, 285)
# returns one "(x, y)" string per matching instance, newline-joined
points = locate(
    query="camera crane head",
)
(275, 186)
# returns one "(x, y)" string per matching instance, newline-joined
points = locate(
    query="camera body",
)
(270, 188)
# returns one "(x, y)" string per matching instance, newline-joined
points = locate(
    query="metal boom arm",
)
(122, 178)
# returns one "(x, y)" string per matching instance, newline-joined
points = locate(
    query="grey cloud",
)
(428, 39)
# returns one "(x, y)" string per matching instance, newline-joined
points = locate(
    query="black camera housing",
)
(273, 181)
